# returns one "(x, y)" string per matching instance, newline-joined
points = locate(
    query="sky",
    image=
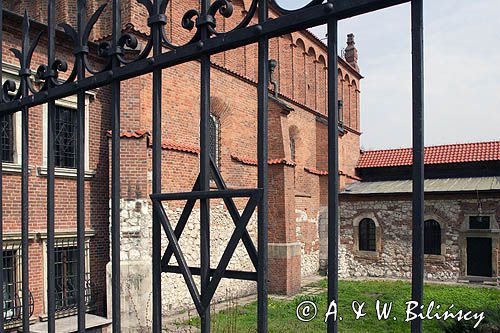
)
(461, 79)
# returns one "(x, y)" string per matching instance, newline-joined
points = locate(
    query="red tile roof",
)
(453, 153)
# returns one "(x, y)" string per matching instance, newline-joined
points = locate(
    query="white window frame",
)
(10, 72)
(44, 250)
(69, 103)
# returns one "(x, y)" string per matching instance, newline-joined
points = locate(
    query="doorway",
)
(479, 256)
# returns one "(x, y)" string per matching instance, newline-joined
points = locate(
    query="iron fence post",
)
(418, 159)
(333, 170)
(262, 173)
(115, 171)
(157, 158)
(80, 163)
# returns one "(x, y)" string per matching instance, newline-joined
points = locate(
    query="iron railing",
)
(160, 53)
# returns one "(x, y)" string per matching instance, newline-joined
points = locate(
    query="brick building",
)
(297, 159)
(462, 214)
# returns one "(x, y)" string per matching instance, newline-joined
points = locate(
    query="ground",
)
(283, 318)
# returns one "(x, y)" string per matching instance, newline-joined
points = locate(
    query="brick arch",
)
(311, 62)
(299, 58)
(285, 67)
(346, 110)
(321, 84)
(353, 114)
(220, 108)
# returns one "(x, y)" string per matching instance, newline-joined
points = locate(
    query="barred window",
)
(12, 287)
(367, 235)
(479, 222)
(213, 132)
(66, 270)
(7, 137)
(432, 237)
(65, 140)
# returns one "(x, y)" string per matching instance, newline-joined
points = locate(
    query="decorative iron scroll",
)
(49, 74)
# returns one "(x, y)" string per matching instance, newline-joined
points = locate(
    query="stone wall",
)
(136, 271)
(393, 218)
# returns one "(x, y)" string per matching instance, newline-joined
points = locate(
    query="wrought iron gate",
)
(158, 54)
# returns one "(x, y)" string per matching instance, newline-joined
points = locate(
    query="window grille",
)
(213, 128)
(12, 297)
(367, 235)
(65, 140)
(432, 237)
(66, 267)
(7, 137)
(479, 222)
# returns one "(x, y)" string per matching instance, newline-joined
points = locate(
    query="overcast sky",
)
(462, 72)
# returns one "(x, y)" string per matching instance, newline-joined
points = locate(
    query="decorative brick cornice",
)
(166, 145)
(132, 134)
(254, 162)
(317, 172)
(172, 145)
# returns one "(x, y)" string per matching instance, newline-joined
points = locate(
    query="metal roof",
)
(430, 185)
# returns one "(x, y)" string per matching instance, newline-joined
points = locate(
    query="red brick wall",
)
(96, 188)
(302, 79)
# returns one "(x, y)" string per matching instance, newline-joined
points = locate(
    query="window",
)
(66, 276)
(367, 235)
(341, 112)
(7, 137)
(66, 265)
(432, 237)
(65, 140)
(479, 222)
(213, 132)
(12, 288)
(292, 148)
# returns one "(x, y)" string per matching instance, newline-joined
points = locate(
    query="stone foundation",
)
(136, 271)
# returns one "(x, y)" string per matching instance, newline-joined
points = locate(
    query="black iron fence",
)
(160, 53)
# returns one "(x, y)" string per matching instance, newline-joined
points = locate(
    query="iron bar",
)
(188, 278)
(181, 224)
(418, 158)
(205, 172)
(236, 193)
(229, 274)
(229, 250)
(1, 182)
(235, 215)
(80, 163)
(333, 170)
(23, 72)
(51, 279)
(156, 253)
(262, 169)
(304, 19)
(115, 173)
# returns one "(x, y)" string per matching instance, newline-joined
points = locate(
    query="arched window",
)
(213, 132)
(292, 148)
(367, 235)
(432, 237)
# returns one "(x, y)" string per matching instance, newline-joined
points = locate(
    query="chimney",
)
(351, 53)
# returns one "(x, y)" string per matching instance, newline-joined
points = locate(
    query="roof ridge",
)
(436, 146)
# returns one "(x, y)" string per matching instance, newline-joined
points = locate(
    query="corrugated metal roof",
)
(430, 185)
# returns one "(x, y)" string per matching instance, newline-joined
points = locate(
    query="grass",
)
(282, 314)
